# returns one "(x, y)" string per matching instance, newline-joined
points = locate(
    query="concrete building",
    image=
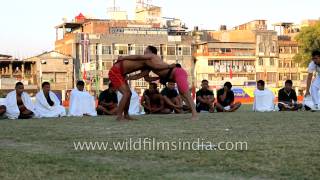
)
(288, 48)
(146, 12)
(94, 45)
(55, 68)
(242, 55)
(13, 70)
(225, 61)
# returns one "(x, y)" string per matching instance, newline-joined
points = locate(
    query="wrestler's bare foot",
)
(127, 117)
(120, 118)
(195, 118)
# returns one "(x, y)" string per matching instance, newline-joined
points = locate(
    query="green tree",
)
(308, 40)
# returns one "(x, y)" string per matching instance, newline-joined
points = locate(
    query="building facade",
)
(13, 70)
(55, 68)
(95, 45)
(242, 55)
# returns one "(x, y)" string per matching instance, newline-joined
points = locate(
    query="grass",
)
(281, 145)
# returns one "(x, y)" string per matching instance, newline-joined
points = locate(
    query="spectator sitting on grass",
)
(205, 98)
(108, 102)
(226, 99)
(287, 98)
(172, 100)
(263, 98)
(152, 101)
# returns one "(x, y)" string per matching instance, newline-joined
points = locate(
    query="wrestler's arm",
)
(159, 65)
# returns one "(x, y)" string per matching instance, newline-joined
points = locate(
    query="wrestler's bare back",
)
(155, 61)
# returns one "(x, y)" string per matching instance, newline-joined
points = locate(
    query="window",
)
(281, 76)
(139, 50)
(122, 49)
(294, 50)
(286, 64)
(273, 48)
(93, 50)
(271, 77)
(261, 49)
(171, 50)
(163, 49)
(225, 50)
(294, 77)
(271, 61)
(106, 49)
(105, 81)
(260, 75)
(186, 51)
(107, 65)
(210, 62)
(280, 64)
(281, 50)
(287, 50)
(260, 62)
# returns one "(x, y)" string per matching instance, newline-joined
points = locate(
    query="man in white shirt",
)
(263, 98)
(314, 66)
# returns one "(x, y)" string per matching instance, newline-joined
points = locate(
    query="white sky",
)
(27, 26)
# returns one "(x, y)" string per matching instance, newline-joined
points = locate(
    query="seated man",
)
(48, 104)
(205, 99)
(263, 98)
(3, 107)
(108, 102)
(19, 104)
(287, 98)
(81, 102)
(226, 99)
(172, 100)
(152, 101)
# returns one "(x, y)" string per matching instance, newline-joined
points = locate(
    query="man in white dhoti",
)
(48, 104)
(134, 108)
(19, 104)
(263, 98)
(81, 102)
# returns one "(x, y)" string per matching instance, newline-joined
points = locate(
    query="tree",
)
(308, 40)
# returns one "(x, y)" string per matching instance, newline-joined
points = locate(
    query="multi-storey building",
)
(55, 68)
(242, 55)
(95, 44)
(13, 70)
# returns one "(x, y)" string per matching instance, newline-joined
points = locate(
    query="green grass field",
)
(281, 145)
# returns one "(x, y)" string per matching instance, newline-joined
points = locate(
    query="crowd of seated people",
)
(18, 104)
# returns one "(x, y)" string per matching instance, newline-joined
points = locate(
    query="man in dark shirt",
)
(205, 98)
(108, 102)
(287, 98)
(226, 99)
(152, 101)
(172, 100)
